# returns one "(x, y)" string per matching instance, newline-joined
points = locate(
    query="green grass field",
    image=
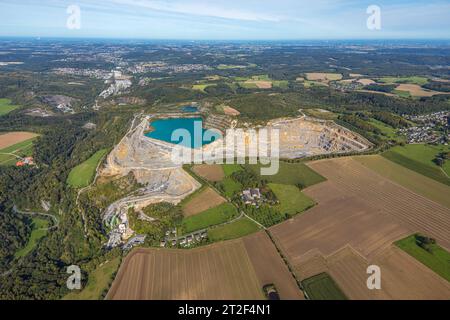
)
(437, 260)
(413, 80)
(402, 94)
(323, 287)
(234, 230)
(39, 231)
(292, 201)
(230, 187)
(291, 173)
(388, 131)
(210, 217)
(419, 158)
(202, 87)
(229, 169)
(99, 281)
(8, 156)
(6, 106)
(81, 176)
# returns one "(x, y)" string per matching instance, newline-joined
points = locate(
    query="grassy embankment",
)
(82, 175)
(99, 281)
(39, 231)
(6, 106)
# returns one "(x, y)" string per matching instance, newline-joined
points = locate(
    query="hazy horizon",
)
(251, 20)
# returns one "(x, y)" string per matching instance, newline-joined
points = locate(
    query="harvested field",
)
(211, 173)
(417, 91)
(269, 267)
(260, 84)
(203, 201)
(318, 76)
(383, 196)
(409, 179)
(366, 82)
(12, 138)
(360, 214)
(217, 272)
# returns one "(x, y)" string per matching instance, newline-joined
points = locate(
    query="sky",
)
(226, 19)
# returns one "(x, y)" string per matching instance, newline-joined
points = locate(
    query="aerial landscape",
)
(216, 165)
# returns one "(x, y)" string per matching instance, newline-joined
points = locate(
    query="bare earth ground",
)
(207, 199)
(220, 271)
(229, 111)
(12, 138)
(211, 173)
(269, 267)
(417, 91)
(360, 214)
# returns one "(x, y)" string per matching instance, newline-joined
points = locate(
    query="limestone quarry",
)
(163, 179)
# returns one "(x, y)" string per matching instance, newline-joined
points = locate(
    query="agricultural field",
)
(323, 77)
(212, 173)
(82, 175)
(269, 266)
(202, 201)
(297, 174)
(222, 271)
(292, 201)
(419, 158)
(234, 230)
(359, 217)
(202, 87)
(323, 287)
(407, 178)
(6, 107)
(99, 281)
(14, 146)
(404, 80)
(415, 90)
(211, 217)
(321, 114)
(437, 259)
(40, 227)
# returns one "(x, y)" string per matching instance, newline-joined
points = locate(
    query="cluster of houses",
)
(252, 197)
(172, 240)
(426, 130)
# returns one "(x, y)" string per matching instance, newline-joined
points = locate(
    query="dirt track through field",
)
(12, 138)
(360, 214)
(220, 271)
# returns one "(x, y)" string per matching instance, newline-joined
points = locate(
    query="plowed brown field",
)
(360, 214)
(205, 200)
(269, 267)
(12, 138)
(211, 173)
(217, 272)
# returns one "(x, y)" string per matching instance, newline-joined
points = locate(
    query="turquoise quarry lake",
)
(163, 130)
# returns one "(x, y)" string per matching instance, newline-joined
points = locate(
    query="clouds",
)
(228, 19)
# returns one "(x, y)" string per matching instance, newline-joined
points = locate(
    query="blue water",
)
(164, 128)
(190, 109)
